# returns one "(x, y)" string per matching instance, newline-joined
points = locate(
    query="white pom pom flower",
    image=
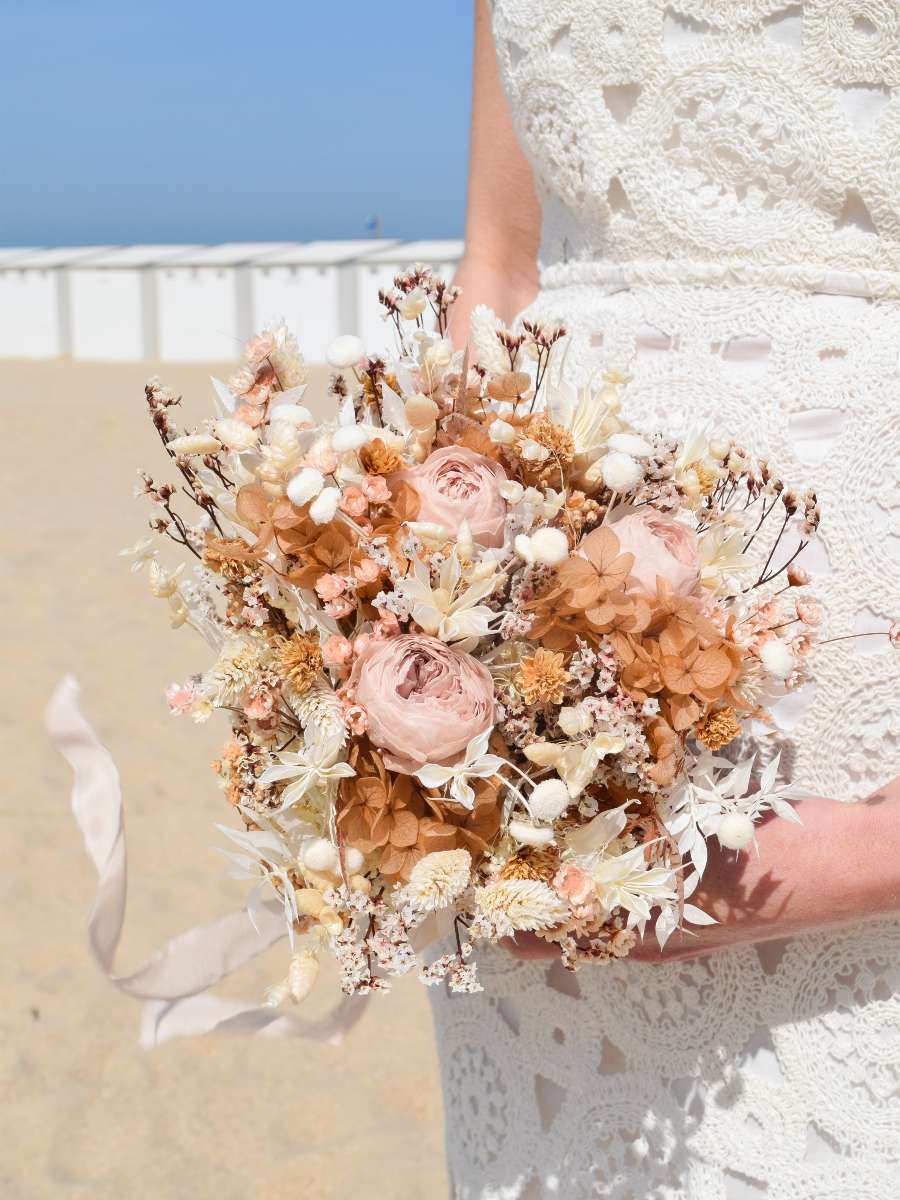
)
(549, 800)
(621, 472)
(305, 486)
(324, 506)
(349, 437)
(321, 855)
(522, 546)
(353, 860)
(345, 351)
(549, 546)
(777, 658)
(631, 444)
(735, 831)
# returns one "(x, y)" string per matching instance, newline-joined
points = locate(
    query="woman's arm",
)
(841, 867)
(503, 217)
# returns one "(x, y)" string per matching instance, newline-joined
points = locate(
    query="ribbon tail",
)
(194, 1015)
(178, 975)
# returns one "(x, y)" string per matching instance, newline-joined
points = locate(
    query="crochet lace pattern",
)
(720, 182)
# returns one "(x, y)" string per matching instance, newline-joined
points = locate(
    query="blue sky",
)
(155, 121)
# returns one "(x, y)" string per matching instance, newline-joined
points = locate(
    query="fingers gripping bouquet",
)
(481, 644)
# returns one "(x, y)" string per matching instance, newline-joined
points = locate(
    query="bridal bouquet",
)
(481, 644)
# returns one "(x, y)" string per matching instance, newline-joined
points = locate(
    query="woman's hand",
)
(841, 867)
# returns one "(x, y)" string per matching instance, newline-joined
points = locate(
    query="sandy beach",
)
(88, 1113)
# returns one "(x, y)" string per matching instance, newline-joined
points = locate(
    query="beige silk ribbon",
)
(175, 981)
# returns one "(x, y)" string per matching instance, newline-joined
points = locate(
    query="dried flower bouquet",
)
(481, 644)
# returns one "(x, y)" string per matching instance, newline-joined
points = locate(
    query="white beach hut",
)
(34, 301)
(313, 286)
(377, 270)
(114, 309)
(205, 310)
(9, 253)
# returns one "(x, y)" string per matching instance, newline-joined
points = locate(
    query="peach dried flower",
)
(542, 678)
(375, 490)
(809, 611)
(366, 571)
(355, 718)
(718, 728)
(251, 414)
(300, 661)
(555, 438)
(530, 863)
(259, 348)
(343, 606)
(379, 459)
(353, 502)
(330, 586)
(386, 814)
(510, 387)
(337, 651)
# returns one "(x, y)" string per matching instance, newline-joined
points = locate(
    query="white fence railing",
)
(197, 303)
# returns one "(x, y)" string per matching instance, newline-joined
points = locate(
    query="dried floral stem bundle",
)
(482, 646)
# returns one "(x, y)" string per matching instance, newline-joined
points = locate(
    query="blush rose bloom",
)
(662, 548)
(455, 484)
(424, 701)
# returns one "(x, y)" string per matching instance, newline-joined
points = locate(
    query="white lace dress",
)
(721, 190)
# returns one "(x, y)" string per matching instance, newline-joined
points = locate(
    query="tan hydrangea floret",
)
(229, 557)
(511, 387)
